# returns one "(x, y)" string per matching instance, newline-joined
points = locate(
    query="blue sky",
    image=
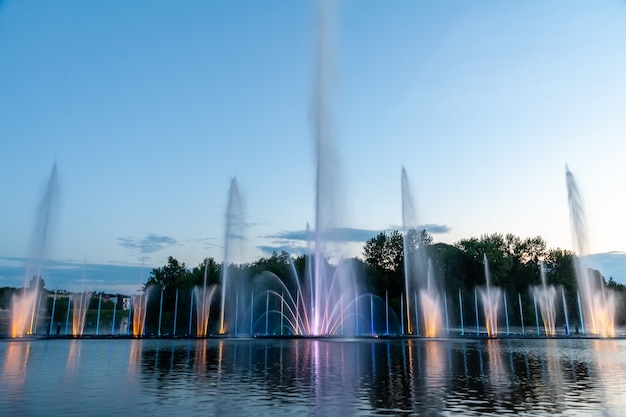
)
(150, 108)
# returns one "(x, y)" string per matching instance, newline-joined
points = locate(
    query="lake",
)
(234, 377)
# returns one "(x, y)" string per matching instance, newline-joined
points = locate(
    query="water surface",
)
(312, 377)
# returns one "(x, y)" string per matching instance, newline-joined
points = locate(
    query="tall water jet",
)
(80, 304)
(139, 308)
(410, 257)
(324, 165)
(416, 279)
(24, 307)
(431, 309)
(567, 331)
(490, 297)
(233, 232)
(597, 302)
(203, 296)
(546, 298)
(326, 288)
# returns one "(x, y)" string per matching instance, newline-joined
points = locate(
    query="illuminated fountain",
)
(233, 233)
(411, 266)
(203, 297)
(325, 301)
(25, 308)
(284, 307)
(23, 312)
(431, 305)
(329, 292)
(139, 306)
(597, 303)
(80, 304)
(416, 279)
(490, 297)
(546, 298)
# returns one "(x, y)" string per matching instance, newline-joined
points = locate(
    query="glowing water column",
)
(597, 302)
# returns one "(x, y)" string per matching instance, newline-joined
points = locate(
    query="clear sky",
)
(150, 108)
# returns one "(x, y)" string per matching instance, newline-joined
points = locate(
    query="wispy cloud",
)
(340, 234)
(291, 249)
(434, 229)
(148, 244)
(348, 234)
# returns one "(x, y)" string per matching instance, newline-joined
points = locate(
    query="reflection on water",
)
(15, 363)
(323, 377)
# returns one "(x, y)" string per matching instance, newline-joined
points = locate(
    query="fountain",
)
(325, 299)
(233, 233)
(23, 312)
(80, 303)
(431, 309)
(24, 308)
(416, 281)
(546, 297)
(139, 307)
(330, 292)
(490, 297)
(203, 297)
(597, 303)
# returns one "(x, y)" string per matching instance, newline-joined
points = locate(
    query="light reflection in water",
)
(15, 364)
(498, 375)
(273, 377)
(609, 356)
(73, 356)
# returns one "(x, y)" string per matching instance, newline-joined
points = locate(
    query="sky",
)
(149, 109)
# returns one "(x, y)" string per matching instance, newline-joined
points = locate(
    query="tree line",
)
(514, 266)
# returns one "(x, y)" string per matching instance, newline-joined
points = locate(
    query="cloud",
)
(289, 248)
(435, 229)
(341, 234)
(149, 244)
(348, 234)
(206, 242)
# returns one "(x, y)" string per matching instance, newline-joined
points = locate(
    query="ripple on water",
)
(273, 377)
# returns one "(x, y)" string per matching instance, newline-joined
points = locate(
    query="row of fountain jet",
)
(290, 305)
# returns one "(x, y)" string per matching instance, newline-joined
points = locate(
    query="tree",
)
(416, 240)
(37, 282)
(559, 268)
(384, 258)
(172, 275)
(384, 252)
(495, 248)
(279, 264)
(213, 271)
